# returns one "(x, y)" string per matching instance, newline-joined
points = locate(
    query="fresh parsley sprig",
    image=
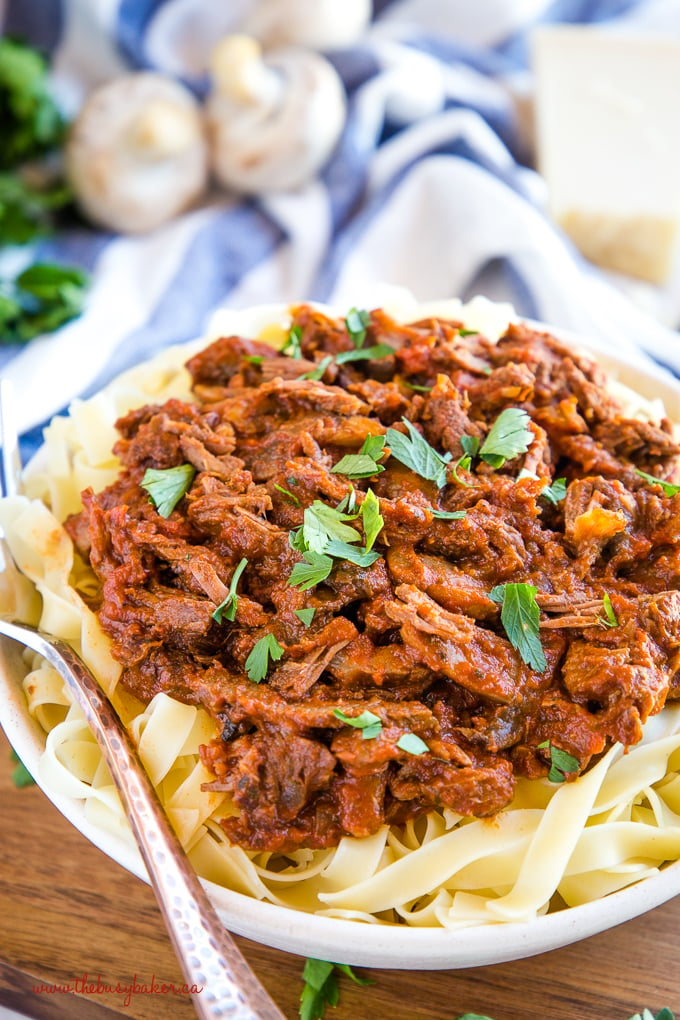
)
(369, 723)
(292, 498)
(227, 608)
(166, 486)
(305, 615)
(257, 663)
(321, 987)
(31, 122)
(40, 300)
(520, 615)
(562, 763)
(668, 488)
(363, 464)
(449, 515)
(414, 452)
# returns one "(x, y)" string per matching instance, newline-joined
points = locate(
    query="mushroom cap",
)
(137, 153)
(272, 125)
(314, 24)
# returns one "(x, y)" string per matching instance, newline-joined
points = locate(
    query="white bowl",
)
(375, 945)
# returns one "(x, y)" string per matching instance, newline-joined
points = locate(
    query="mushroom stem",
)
(240, 73)
(161, 130)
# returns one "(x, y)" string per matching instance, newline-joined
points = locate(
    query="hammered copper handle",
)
(225, 985)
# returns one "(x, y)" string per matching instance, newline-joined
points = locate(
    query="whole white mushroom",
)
(273, 119)
(137, 153)
(316, 24)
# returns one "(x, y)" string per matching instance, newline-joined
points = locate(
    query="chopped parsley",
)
(369, 723)
(412, 744)
(610, 618)
(325, 534)
(254, 359)
(315, 569)
(556, 492)
(316, 374)
(364, 354)
(286, 492)
(292, 346)
(166, 486)
(323, 523)
(562, 764)
(306, 615)
(363, 464)
(21, 777)
(257, 663)
(371, 518)
(321, 987)
(668, 488)
(357, 322)
(507, 438)
(449, 515)
(520, 616)
(415, 453)
(227, 608)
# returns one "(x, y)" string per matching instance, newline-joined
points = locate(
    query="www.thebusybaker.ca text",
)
(88, 986)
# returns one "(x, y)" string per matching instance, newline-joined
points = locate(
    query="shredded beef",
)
(414, 639)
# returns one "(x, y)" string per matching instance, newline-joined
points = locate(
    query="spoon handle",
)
(219, 979)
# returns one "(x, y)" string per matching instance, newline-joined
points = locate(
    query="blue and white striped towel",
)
(427, 188)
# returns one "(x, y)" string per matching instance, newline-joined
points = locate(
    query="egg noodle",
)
(555, 845)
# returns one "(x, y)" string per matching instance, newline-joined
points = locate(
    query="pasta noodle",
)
(556, 846)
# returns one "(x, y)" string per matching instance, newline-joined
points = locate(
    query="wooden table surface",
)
(67, 911)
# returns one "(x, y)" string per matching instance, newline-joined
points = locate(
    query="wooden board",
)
(67, 911)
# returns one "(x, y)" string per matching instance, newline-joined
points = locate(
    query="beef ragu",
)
(379, 633)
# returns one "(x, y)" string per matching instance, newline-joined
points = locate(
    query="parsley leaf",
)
(663, 1014)
(507, 438)
(40, 299)
(609, 619)
(369, 723)
(257, 663)
(227, 608)
(254, 359)
(292, 346)
(468, 332)
(364, 463)
(314, 570)
(520, 616)
(668, 488)
(166, 486)
(371, 518)
(415, 386)
(291, 495)
(364, 354)
(448, 515)
(415, 453)
(556, 492)
(323, 523)
(412, 744)
(343, 551)
(306, 615)
(561, 763)
(357, 322)
(26, 212)
(317, 373)
(31, 122)
(21, 777)
(470, 445)
(321, 987)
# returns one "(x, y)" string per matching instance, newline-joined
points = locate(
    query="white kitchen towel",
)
(428, 188)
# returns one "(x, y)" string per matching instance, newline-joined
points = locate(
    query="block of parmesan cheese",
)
(608, 143)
